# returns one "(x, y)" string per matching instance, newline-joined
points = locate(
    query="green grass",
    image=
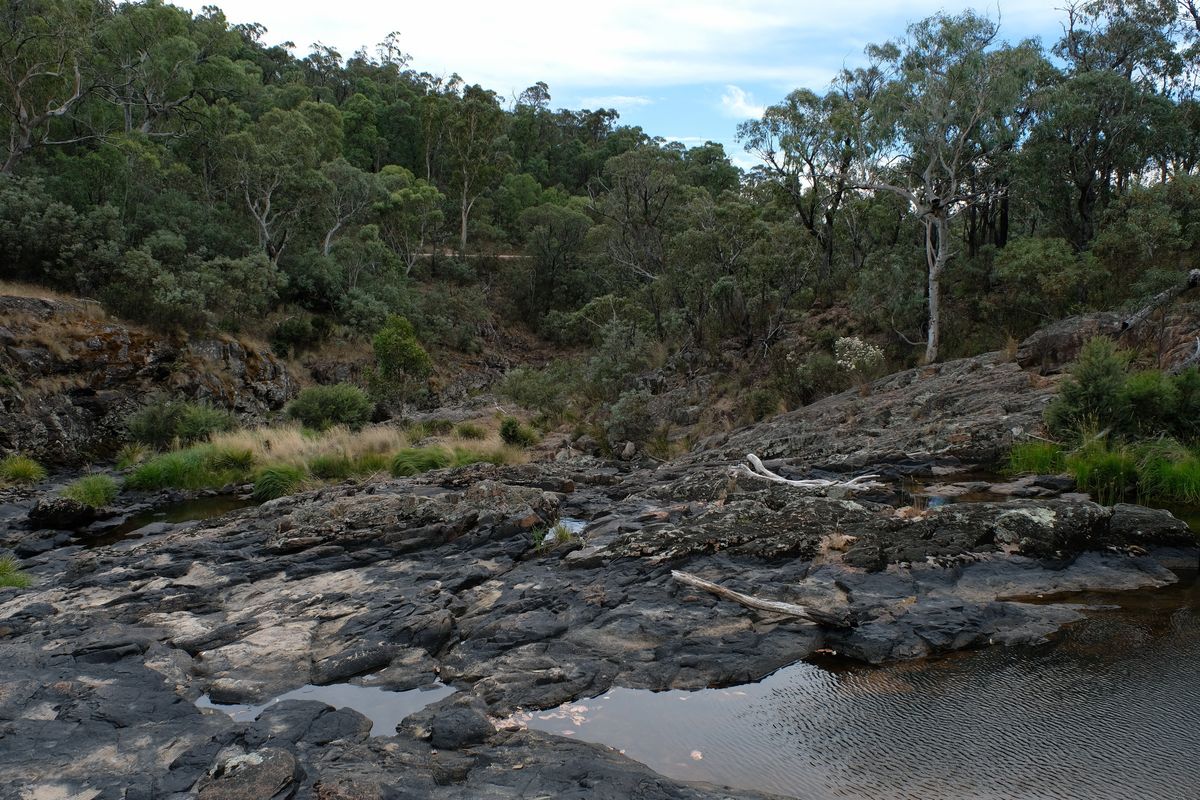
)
(469, 430)
(1168, 471)
(19, 469)
(331, 467)
(1036, 458)
(202, 467)
(370, 463)
(278, 480)
(96, 491)
(1108, 473)
(231, 459)
(131, 454)
(11, 577)
(415, 460)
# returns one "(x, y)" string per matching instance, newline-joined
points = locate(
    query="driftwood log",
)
(829, 619)
(762, 473)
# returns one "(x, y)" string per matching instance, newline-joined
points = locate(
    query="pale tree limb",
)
(762, 473)
(1190, 361)
(1159, 300)
(772, 606)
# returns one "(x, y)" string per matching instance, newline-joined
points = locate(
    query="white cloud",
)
(739, 104)
(509, 46)
(617, 101)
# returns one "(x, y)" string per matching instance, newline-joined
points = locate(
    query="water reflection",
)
(1110, 711)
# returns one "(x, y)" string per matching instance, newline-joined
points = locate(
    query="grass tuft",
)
(276, 481)
(96, 491)
(11, 576)
(415, 460)
(1036, 458)
(470, 431)
(19, 469)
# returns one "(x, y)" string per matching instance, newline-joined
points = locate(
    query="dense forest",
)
(953, 191)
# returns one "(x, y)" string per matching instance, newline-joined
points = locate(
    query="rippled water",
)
(1108, 712)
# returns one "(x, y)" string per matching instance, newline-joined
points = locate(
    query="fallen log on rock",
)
(762, 473)
(829, 619)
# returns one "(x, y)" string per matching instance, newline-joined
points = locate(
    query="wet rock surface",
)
(396, 584)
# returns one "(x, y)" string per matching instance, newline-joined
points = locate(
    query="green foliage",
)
(415, 460)
(401, 363)
(19, 469)
(231, 459)
(624, 353)
(96, 491)
(1168, 471)
(1036, 458)
(11, 576)
(802, 379)
(629, 419)
(298, 333)
(321, 407)
(1100, 392)
(164, 423)
(517, 434)
(277, 480)
(547, 390)
(1093, 392)
(469, 430)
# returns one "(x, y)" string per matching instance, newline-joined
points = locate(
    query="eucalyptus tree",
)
(478, 151)
(807, 145)
(409, 214)
(935, 122)
(47, 70)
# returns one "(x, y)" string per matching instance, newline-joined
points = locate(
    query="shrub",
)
(469, 430)
(295, 334)
(1037, 458)
(630, 419)
(96, 491)
(516, 434)
(761, 403)
(545, 390)
(801, 380)
(11, 576)
(276, 481)
(20, 469)
(860, 358)
(321, 407)
(438, 426)
(1152, 400)
(415, 460)
(162, 423)
(329, 467)
(1094, 390)
(401, 363)
(624, 352)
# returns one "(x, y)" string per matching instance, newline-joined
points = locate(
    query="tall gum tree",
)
(935, 122)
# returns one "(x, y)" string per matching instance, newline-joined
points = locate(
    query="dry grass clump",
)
(293, 445)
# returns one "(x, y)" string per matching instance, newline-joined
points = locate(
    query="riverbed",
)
(1109, 710)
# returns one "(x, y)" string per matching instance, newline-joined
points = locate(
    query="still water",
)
(1109, 711)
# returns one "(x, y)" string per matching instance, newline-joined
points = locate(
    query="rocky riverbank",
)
(69, 376)
(462, 578)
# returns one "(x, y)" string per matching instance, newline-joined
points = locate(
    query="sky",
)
(686, 70)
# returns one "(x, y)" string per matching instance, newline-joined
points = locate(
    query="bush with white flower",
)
(862, 359)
